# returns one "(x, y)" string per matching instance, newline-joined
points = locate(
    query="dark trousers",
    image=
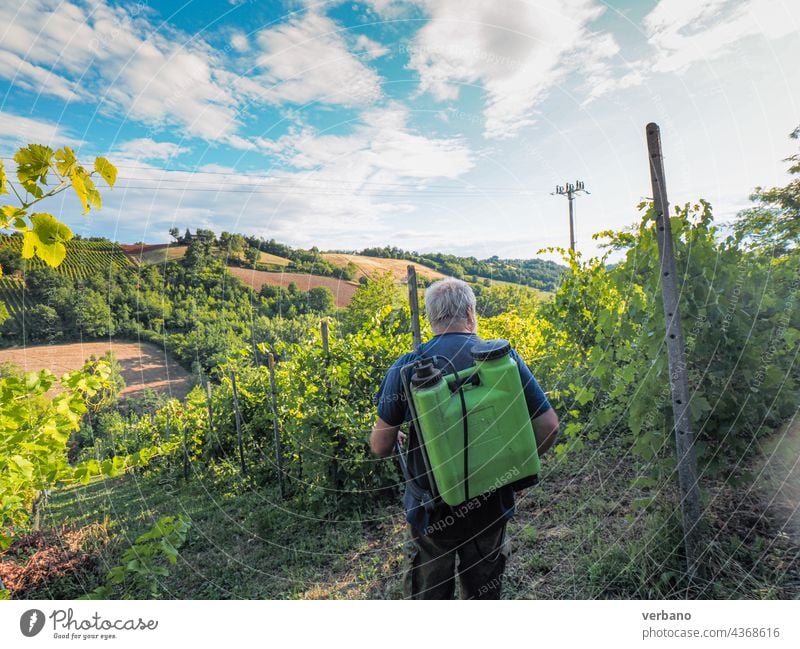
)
(432, 565)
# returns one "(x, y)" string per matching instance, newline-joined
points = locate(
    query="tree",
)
(773, 224)
(501, 298)
(10, 260)
(44, 324)
(370, 299)
(175, 233)
(91, 315)
(252, 255)
(320, 300)
(207, 239)
(45, 284)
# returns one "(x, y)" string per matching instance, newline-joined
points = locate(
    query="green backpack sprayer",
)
(474, 428)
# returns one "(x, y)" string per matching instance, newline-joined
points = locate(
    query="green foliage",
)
(773, 224)
(536, 273)
(33, 436)
(327, 409)
(146, 563)
(43, 235)
(502, 298)
(370, 300)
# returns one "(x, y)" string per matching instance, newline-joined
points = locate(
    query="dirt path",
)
(144, 365)
(780, 479)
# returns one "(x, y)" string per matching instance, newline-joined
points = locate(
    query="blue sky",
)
(429, 125)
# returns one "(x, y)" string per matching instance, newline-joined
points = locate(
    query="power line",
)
(256, 189)
(416, 185)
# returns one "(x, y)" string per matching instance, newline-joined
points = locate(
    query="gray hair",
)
(449, 302)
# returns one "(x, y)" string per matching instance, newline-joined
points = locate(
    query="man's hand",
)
(382, 438)
(545, 427)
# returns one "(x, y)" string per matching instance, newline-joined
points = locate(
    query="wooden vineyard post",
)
(275, 426)
(209, 407)
(238, 419)
(324, 331)
(185, 454)
(338, 446)
(676, 356)
(413, 301)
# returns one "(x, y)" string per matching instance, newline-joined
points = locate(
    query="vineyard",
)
(11, 293)
(84, 258)
(260, 481)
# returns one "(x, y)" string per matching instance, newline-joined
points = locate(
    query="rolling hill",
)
(342, 290)
(370, 266)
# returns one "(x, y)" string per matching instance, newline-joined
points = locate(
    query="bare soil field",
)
(370, 266)
(342, 291)
(143, 365)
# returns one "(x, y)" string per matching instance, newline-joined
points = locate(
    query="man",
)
(473, 532)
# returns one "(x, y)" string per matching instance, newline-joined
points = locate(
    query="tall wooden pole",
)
(324, 331)
(209, 407)
(238, 420)
(275, 425)
(676, 355)
(338, 444)
(185, 453)
(413, 301)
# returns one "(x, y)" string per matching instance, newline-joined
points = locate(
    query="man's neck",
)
(454, 330)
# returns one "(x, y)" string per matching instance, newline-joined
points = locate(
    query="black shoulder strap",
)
(426, 497)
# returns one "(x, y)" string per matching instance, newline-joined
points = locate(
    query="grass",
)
(574, 537)
(242, 544)
(157, 255)
(269, 258)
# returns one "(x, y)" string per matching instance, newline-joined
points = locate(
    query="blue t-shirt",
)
(479, 513)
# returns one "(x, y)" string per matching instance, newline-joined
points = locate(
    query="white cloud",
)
(683, 32)
(16, 130)
(148, 149)
(368, 48)
(342, 189)
(25, 74)
(516, 51)
(118, 55)
(308, 59)
(381, 147)
(239, 42)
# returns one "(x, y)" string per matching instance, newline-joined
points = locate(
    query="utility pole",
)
(571, 190)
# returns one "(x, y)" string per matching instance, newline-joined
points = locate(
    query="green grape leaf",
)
(33, 163)
(65, 161)
(79, 186)
(29, 241)
(106, 170)
(3, 179)
(85, 189)
(46, 239)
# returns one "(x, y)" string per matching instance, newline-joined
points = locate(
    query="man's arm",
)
(545, 427)
(382, 438)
